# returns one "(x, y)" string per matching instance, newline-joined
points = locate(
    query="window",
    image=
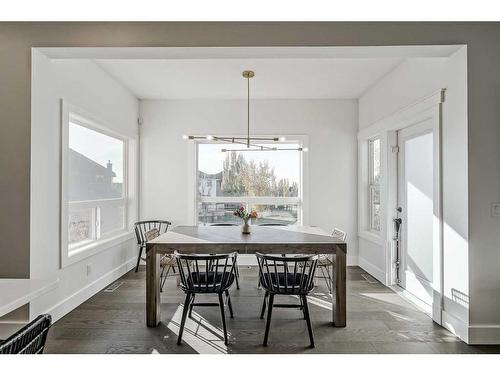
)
(374, 184)
(94, 184)
(267, 181)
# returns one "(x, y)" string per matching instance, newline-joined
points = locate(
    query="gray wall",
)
(483, 40)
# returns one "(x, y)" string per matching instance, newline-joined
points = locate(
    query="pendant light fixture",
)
(250, 143)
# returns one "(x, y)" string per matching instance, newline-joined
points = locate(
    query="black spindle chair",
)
(141, 227)
(206, 274)
(236, 269)
(29, 339)
(287, 275)
(271, 225)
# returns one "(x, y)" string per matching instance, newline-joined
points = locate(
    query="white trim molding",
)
(429, 107)
(302, 201)
(70, 303)
(69, 255)
(373, 270)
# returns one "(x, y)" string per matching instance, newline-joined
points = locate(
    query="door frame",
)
(429, 107)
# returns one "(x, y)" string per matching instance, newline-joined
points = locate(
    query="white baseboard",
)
(373, 270)
(455, 325)
(482, 334)
(70, 303)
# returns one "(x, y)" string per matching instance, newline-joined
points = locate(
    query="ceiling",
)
(274, 78)
(280, 72)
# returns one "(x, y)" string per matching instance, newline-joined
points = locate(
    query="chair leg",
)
(302, 307)
(269, 313)
(229, 304)
(236, 275)
(183, 319)
(163, 277)
(223, 317)
(138, 258)
(308, 320)
(326, 277)
(191, 306)
(264, 306)
(330, 279)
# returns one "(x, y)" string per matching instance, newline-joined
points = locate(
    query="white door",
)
(416, 202)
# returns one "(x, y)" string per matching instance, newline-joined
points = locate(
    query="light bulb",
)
(282, 139)
(305, 149)
(209, 137)
(185, 137)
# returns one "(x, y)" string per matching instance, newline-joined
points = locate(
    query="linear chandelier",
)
(248, 141)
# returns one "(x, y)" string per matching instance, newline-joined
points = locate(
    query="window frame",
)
(301, 200)
(72, 254)
(372, 186)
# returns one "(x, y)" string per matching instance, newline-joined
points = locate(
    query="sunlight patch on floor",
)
(318, 302)
(401, 317)
(390, 298)
(198, 333)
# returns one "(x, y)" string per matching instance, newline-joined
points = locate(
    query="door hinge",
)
(139, 120)
(395, 149)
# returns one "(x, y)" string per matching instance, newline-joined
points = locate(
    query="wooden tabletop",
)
(230, 238)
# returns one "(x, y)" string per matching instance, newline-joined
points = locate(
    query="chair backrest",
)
(30, 339)
(141, 227)
(151, 234)
(339, 234)
(288, 274)
(207, 273)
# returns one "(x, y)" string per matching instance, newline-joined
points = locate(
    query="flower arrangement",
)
(246, 216)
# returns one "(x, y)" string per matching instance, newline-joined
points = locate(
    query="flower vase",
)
(245, 228)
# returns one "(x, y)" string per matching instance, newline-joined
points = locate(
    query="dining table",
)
(206, 239)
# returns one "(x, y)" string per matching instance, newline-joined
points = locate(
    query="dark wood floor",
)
(378, 321)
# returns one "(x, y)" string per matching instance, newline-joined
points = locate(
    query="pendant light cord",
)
(248, 112)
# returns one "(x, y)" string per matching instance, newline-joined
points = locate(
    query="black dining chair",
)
(206, 274)
(30, 339)
(270, 225)
(141, 227)
(236, 269)
(277, 279)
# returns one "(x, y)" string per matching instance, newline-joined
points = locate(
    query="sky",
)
(286, 164)
(98, 147)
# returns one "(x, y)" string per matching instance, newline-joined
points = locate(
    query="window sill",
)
(94, 248)
(372, 237)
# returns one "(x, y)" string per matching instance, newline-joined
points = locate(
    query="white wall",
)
(408, 83)
(331, 126)
(85, 86)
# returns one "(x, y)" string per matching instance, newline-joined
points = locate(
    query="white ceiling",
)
(280, 72)
(274, 78)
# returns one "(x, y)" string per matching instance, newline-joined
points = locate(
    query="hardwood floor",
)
(378, 321)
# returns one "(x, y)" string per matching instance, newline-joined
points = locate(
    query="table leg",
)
(152, 287)
(339, 273)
